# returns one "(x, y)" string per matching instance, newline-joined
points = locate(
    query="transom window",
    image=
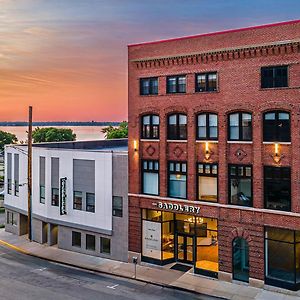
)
(206, 82)
(240, 185)
(150, 127)
(149, 86)
(176, 84)
(177, 127)
(240, 126)
(177, 180)
(208, 182)
(277, 188)
(207, 128)
(277, 126)
(150, 175)
(274, 77)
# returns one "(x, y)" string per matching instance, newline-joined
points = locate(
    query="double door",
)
(185, 248)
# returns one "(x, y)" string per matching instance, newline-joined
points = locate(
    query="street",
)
(24, 277)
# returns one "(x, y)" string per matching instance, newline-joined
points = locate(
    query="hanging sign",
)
(178, 207)
(63, 196)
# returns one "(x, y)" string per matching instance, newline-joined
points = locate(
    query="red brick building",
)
(214, 153)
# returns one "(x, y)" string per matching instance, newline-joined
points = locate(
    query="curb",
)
(18, 249)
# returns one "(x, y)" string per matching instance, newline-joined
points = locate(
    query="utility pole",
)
(29, 173)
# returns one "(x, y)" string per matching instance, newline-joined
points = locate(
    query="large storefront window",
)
(282, 258)
(169, 237)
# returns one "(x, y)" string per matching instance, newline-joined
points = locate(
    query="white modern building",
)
(79, 195)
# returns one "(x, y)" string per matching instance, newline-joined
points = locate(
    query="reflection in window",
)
(240, 185)
(240, 255)
(240, 127)
(274, 77)
(176, 84)
(177, 180)
(208, 182)
(177, 127)
(150, 127)
(206, 82)
(207, 128)
(150, 171)
(149, 86)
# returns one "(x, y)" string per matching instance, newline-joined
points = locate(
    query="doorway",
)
(240, 259)
(185, 248)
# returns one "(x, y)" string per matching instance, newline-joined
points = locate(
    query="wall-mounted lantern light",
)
(207, 151)
(135, 145)
(276, 157)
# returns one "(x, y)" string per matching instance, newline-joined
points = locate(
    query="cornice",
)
(223, 54)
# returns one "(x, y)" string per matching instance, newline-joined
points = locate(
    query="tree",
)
(7, 138)
(52, 134)
(119, 132)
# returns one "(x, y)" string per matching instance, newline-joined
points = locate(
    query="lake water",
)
(83, 133)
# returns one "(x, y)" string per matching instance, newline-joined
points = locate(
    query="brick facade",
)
(237, 57)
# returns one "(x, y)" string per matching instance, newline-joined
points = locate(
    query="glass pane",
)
(172, 120)
(177, 166)
(281, 235)
(177, 186)
(240, 254)
(155, 120)
(284, 116)
(202, 120)
(213, 120)
(234, 120)
(208, 188)
(183, 168)
(156, 166)
(154, 215)
(241, 192)
(200, 168)
(202, 132)
(180, 246)
(150, 183)
(146, 120)
(234, 133)
(270, 116)
(213, 132)
(168, 237)
(171, 167)
(215, 169)
(150, 165)
(182, 119)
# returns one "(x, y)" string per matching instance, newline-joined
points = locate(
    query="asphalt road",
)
(23, 277)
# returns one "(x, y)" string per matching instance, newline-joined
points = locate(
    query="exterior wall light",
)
(207, 151)
(135, 145)
(276, 157)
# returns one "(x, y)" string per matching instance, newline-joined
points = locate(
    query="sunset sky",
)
(68, 58)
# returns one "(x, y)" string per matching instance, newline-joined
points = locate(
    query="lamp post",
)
(29, 225)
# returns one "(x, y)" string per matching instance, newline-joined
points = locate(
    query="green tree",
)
(119, 132)
(52, 134)
(6, 138)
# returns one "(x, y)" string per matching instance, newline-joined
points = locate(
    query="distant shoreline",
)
(7, 124)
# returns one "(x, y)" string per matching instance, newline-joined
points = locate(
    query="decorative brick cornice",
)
(223, 54)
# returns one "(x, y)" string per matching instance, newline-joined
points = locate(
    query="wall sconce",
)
(135, 145)
(276, 157)
(207, 151)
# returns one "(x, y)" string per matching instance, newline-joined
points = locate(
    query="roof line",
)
(216, 33)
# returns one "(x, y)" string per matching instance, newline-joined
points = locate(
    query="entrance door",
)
(240, 259)
(185, 248)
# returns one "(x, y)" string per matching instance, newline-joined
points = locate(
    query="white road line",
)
(112, 287)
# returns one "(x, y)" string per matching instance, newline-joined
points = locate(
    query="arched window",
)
(177, 127)
(277, 126)
(207, 126)
(240, 259)
(240, 126)
(150, 127)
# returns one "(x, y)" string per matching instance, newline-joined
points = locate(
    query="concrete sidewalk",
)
(165, 277)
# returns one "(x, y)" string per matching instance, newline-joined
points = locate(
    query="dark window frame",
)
(278, 180)
(17, 188)
(148, 170)
(181, 172)
(177, 128)
(151, 127)
(101, 245)
(117, 212)
(207, 126)
(54, 202)
(207, 175)
(237, 176)
(152, 90)
(74, 202)
(276, 127)
(272, 81)
(93, 239)
(89, 207)
(177, 77)
(74, 244)
(42, 197)
(240, 126)
(207, 89)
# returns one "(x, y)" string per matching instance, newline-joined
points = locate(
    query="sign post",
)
(63, 196)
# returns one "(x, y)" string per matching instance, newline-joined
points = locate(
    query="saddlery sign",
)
(178, 207)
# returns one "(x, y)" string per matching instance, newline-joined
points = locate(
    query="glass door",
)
(185, 248)
(240, 259)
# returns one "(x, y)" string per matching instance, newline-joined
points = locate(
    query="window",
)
(150, 127)
(9, 173)
(9, 186)
(76, 239)
(42, 194)
(11, 218)
(208, 182)
(207, 128)
(240, 259)
(277, 126)
(55, 197)
(149, 86)
(150, 171)
(90, 242)
(274, 77)
(240, 185)
(105, 245)
(282, 248)
(117, 206)
(176, 84)
(177, 127)
(177, 179)
(16, 174)
(77, 202)
(240, 127)
(90, 202)
(16, 188)
(277, 185)
(206, 82)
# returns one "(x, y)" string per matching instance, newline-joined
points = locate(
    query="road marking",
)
(41, 269)
(113, 287)
(13, 247)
